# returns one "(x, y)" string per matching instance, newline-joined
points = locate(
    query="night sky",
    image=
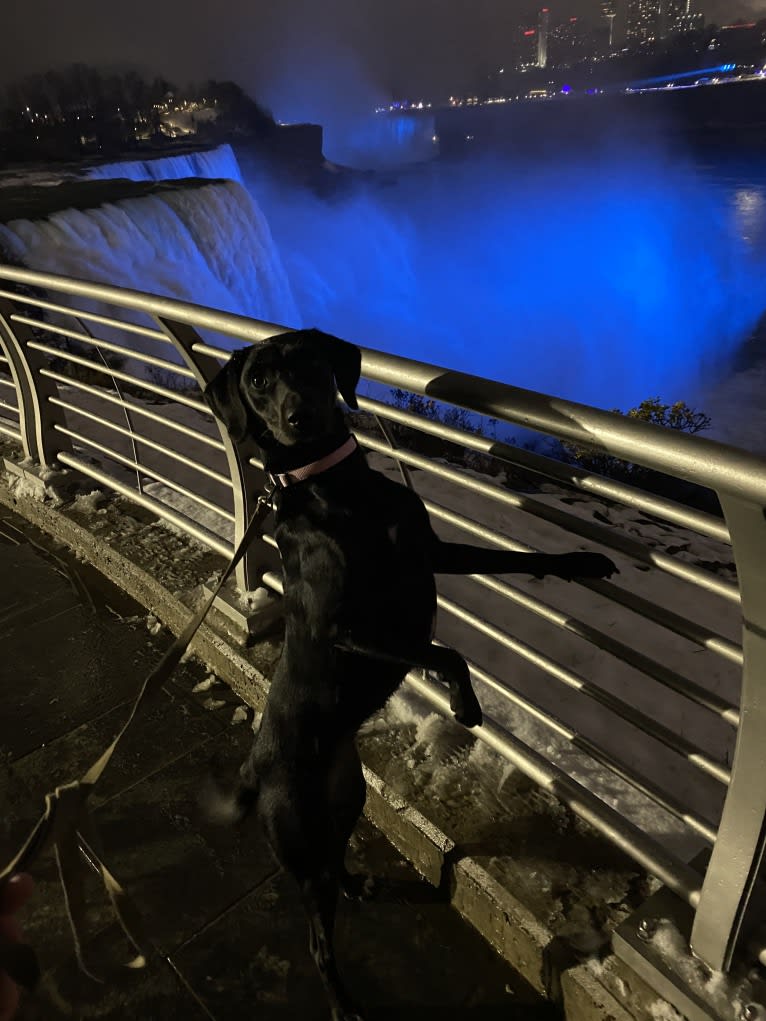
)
(302, 58)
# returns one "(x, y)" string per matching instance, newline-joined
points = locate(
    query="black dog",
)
(359, 557)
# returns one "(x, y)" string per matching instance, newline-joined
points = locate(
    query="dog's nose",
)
(297, 417)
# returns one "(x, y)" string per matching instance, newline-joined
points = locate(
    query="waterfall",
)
(209, 244)
(219, 163)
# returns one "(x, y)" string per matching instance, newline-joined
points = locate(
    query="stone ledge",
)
(524, 938)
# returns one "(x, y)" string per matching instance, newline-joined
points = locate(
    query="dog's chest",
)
(329, 545)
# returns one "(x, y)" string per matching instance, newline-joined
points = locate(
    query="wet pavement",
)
(228, 931)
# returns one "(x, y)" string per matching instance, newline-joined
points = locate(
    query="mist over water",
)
(606, 278)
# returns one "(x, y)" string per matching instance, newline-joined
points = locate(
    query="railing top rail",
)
(705, 462)
(708, 463)
(153, 304)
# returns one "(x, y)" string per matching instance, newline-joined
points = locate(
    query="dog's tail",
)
(226, 808)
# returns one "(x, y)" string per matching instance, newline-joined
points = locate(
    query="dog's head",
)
(282, 391)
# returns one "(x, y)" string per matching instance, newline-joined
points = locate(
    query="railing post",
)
(741, 839)
(248, 482)
(37, 416)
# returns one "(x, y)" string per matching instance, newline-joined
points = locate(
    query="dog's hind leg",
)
(454, 671)
(346, 794)
(444, 661)
(298, 823)
(320, 899)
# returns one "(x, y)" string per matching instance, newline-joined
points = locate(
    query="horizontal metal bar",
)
(156, 506)
(139, 409)
(131, 434)
(213, 352)
(74, 313)
(635, 717)
(682, 685)
(274, 582)
(565, 520)
(579, 741)
(548, 467)
(14, 410)
(142, 468)
(152, 304)
(144, 384)
(8, 382)
(8, 430)
(689, 629)
(704, 462)
(107, 345)
(632, 657)
(632, 840)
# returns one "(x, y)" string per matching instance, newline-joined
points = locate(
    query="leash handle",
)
(67, 820)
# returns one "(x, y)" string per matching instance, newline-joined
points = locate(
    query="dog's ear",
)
(346, 362)
(225, 398)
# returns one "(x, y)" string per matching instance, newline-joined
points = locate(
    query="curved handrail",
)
(705, 462)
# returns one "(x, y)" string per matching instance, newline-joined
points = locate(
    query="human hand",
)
(13, 895)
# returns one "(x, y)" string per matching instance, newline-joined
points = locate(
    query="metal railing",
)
(117, 398)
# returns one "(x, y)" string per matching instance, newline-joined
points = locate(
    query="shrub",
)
(434, 446)
(671, 416)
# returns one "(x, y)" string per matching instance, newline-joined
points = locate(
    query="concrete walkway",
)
(225, 921)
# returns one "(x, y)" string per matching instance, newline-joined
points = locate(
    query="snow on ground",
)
(21, 177)
(218, 163)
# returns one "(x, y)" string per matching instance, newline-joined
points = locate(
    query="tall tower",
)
(609, 12)
(542, 37)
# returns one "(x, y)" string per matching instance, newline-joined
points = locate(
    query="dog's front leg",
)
(448, 663)
(458, 558)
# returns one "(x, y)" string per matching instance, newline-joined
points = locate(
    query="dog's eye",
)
(259, 381)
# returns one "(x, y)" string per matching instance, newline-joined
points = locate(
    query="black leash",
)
(67, 821)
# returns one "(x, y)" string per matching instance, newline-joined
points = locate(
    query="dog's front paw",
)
(585, 565)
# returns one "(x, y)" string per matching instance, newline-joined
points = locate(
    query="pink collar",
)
(317, 467)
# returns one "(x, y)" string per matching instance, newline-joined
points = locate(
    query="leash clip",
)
(266, 498)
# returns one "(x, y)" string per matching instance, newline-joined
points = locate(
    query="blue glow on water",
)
(383, 141)
(685, 75)
(607, 281)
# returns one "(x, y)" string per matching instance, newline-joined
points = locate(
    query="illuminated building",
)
(525, 48)
(690, 21)
(649, 20)
(644, 17)
(672, 13)
(542, 37)
(568, 43)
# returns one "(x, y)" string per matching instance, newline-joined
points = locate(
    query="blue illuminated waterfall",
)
(209, 244)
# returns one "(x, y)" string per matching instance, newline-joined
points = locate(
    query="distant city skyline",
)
(304, 60)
